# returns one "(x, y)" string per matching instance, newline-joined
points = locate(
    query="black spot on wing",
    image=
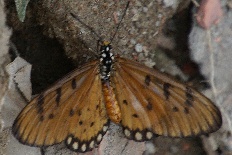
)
(147, 80)
(41, 118)
(189, 102)
(186, 110)
(125, 102)
(149, 106)
(175, 109)
(58, 95)
(51, 116)
(135, 115)
(189, 97)
(80, 122)
(40, 109)
(40, 102)
(71, 112)
(92, 123)
(166, 87)
(74, 84)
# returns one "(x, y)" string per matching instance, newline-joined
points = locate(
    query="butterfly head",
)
(105, 46)
(106, 60)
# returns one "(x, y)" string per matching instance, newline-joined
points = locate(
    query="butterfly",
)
(77, 109)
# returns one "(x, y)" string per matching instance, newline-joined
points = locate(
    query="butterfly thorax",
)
(106, 61)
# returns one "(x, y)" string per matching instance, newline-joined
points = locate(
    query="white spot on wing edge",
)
(99, 137)
(149, 135)
(127, 133)
(138, 136)
(83, 147)
(69, 140)
(105, 128)
(91, 145)
(75, 145)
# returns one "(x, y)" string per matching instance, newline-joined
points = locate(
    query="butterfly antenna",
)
(88, 27)
(124, 13)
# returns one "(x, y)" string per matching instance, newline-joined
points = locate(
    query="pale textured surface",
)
(14, 101)
(19, 84)
(212, 49)
(4, 60)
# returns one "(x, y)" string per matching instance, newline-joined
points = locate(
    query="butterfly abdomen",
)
(112, 106)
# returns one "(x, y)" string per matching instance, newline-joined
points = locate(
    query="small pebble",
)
(132, 41)
(174, 149)
(138, 48)
(145, 9)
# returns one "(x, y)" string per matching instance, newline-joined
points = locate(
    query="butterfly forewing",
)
(73, 109)
(152, 102)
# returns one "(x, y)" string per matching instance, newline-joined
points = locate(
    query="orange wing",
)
(72, 110)
(152, 103)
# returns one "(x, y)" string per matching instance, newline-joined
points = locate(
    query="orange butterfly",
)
(145, 102)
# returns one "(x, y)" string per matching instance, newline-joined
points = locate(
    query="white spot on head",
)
(138, 136)
(69, 140)
(99, 137)
(127, 133)
(83, 147)
(149, 135)
(107, 48)
(75, 145)
(105, 128)
(91, 145)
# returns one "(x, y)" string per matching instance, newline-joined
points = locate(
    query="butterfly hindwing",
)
(72, 110)
(152, 103)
